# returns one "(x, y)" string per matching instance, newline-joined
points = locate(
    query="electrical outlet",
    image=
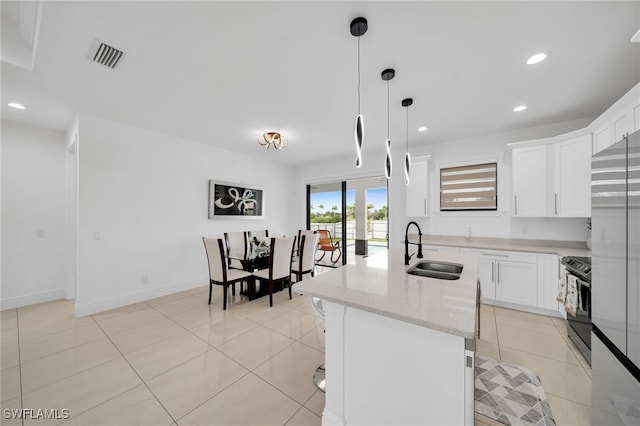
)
(145, 279)
(97, 236)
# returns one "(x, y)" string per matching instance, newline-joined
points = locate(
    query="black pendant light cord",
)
(388, 110)
(358, 75)
(407, 129)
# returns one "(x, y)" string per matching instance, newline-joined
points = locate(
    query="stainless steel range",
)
(579, 326)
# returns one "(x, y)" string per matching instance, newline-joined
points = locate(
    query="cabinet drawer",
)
(445, 249)
(515, 256)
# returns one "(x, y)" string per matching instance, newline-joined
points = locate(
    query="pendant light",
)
(387, 75)
(359, 27)
(407, 157)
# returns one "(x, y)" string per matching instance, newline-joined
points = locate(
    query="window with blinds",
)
(472, 187)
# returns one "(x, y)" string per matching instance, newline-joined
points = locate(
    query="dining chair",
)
(261, 233)
(279, 265)
(305, 262)
(219, 271)
(236, 248)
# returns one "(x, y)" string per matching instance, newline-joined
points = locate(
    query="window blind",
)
(472, 187)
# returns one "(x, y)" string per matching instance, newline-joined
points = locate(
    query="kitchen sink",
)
(438, 270)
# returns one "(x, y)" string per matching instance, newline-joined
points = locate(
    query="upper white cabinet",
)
(624, 123)
(572, 178)
(621, 118)
(552, 177)
(529, 179)
(602, 137)
(418, 189)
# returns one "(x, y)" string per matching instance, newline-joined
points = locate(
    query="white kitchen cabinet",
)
(625, 122)
(517, 282)
(602, 137)
(418, 189)
(529, 179)
(572, 178)
(548, 278)
(636, 115)
(486, 272)
(509, 277)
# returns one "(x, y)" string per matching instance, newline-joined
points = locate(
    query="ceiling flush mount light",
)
(537, 58)
(520, 108)
(388, 75)
(407, 157)
(273, 138)
(16, 105)
(358, 28)
(422, 129)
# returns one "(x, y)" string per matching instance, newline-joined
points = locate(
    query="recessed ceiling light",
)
(422, 129)
(16, 105)
(537, 58)
(520, 108)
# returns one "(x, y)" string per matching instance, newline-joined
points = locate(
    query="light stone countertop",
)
(561, 248)
(379, 284)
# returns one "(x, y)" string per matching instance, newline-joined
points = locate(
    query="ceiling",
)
(221, 73)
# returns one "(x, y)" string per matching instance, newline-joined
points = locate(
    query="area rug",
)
(510, 394)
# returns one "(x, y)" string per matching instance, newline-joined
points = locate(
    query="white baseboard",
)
(525, 308)
(329, 418)
(84, 309)
(31, 299)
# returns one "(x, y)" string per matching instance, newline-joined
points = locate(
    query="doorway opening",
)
(355, 212)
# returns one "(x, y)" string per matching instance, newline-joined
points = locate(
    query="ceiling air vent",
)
(104, 54)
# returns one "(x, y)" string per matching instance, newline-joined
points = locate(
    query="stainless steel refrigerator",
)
(615, 283)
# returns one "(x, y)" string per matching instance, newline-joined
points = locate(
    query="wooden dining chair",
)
(279, 265)
(219, 271)
(305, 262)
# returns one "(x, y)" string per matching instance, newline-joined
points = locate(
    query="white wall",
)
(483, 224)
(33, 215)
(146, 194)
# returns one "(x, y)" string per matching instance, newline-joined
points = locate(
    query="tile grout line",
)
(19, 365)
(214, 395)
(136, 373)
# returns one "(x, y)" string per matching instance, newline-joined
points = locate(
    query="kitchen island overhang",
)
(399, 348)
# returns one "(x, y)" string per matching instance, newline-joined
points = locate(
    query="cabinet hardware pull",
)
(492, 272)
(498, 273)
(495, 255)
(516, 204)
(556, 202)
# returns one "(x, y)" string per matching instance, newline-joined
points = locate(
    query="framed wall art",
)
(235, 201)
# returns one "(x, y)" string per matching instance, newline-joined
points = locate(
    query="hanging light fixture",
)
(359, 27)
(273, 138)
(387, 75)
(407, 157)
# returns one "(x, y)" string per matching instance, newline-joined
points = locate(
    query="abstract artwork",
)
(228, 200)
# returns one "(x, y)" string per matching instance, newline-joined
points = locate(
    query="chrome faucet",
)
(407, 256)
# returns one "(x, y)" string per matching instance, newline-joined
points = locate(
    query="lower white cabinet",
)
(517, 282)
(549, 269)
(508, 277)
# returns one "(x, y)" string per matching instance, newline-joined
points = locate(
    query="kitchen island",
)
(399, 348)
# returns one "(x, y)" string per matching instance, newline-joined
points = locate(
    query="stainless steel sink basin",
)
(439, 270)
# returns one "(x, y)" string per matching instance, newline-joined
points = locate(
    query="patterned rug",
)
(510, 394)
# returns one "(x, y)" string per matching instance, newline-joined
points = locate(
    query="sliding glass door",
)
(354, 213)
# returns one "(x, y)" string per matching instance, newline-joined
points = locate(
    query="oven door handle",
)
(582, 283)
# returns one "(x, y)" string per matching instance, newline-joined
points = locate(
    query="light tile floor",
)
(176, 360)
